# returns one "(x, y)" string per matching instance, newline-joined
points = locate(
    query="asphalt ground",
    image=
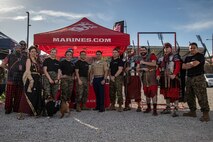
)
(109, 126)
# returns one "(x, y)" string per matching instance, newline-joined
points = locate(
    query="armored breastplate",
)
(170, 65)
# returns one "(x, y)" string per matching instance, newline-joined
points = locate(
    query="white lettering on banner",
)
(65, 40)
(82, 27)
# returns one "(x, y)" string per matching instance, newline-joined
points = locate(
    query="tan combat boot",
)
(112, 107)
(78, 108)
(205, 117)
(84, 107)
(120, 109)
(190, 114)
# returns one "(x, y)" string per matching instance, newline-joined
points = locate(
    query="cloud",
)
(43, 14)
(37, 18)
(62, 14)
(10, 9)
(16, 18)
(19, 17)
(197, 26)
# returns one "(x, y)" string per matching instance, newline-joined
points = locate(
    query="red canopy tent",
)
(82, 35)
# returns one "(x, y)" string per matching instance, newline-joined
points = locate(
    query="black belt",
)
(98, 76)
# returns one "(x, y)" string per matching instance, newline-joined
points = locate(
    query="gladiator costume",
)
(14, 90)
(150, 85)
(170, 88)
(132, 84)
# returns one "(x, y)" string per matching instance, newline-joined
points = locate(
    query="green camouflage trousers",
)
(116, 89)
(50, 89)
(82, 91)
(196, 86)
(67, 87)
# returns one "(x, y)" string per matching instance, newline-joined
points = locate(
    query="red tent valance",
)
(82, 35)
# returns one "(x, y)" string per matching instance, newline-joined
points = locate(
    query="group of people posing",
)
(31, 81)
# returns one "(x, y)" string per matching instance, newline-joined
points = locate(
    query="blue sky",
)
(186, 17)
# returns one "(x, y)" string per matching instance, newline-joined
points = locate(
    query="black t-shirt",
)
(199, 69)
(83, 67)
(114, 64)
(51, 64)
(67, 67)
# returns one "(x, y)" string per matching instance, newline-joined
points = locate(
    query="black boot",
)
(127, 108)
(148, 108)
(155, 113)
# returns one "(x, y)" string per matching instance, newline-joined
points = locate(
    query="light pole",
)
(28, 25)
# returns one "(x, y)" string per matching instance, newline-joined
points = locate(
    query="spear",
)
(160, 37)
(148, 46)
(204, 46)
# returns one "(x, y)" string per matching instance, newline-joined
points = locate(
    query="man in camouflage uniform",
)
(51, 69)
(195, 84)
(67, 78)
(82, 74)
(116, 81)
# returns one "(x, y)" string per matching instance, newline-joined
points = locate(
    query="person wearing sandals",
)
(15, 63)
(147, 68)
(168, 75)
(132, 82)
(31, 101)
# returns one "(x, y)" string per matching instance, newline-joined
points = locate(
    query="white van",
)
(209, 79)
